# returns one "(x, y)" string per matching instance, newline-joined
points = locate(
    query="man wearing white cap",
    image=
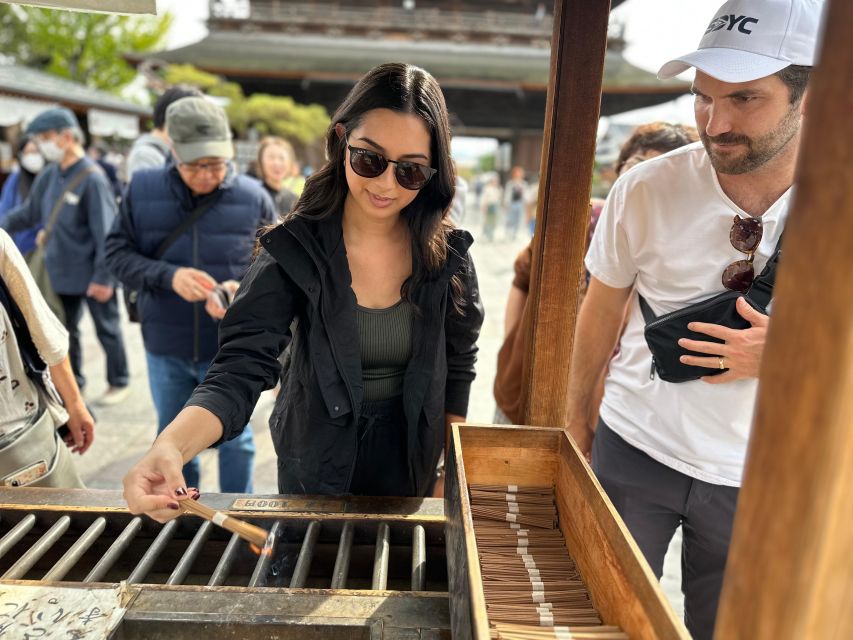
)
(680, 229)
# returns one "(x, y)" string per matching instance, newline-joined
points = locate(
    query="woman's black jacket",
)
(298, 292)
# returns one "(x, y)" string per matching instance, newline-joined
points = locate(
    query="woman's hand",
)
(81, 426)
(155, 484)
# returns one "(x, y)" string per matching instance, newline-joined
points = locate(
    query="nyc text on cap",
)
(751, 39)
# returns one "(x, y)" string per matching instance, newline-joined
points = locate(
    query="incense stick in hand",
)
(247, 531)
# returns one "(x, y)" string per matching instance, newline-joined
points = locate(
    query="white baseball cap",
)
(751, 39)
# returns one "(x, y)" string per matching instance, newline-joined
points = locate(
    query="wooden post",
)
(790, 568)
(578, 45)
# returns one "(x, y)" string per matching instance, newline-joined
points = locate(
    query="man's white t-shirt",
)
(665, 229)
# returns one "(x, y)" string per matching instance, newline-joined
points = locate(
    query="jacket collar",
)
(321, 241)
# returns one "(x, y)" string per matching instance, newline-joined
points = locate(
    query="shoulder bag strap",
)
(57, 206)
(194, 217)
(648, 315)
(761, 290)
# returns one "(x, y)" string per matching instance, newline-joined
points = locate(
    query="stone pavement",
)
(125, 432)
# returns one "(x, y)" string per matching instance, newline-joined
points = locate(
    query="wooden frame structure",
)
(790, 570)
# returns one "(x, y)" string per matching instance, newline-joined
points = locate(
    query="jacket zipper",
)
(337, 362)
(683, 312)
(196, 318)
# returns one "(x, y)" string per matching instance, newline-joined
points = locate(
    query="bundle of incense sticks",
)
(521, 632)
(250, 532)
(532, 587)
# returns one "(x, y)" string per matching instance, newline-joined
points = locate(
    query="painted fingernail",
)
(196, 495)
(180, 491)
(174, 505)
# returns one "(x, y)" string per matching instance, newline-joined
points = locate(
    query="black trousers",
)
(108, 327)
(382, 464)
(654, 500)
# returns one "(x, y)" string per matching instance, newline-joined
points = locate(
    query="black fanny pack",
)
(663, 333)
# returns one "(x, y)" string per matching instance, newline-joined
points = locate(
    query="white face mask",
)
(32, 162)
(51, 151)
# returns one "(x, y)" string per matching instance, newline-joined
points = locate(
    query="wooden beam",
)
(578, 46)
(790, 567)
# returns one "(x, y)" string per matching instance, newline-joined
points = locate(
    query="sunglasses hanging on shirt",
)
(745, 236)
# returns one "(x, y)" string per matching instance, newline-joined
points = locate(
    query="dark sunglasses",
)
(745, 236)
(370, 164)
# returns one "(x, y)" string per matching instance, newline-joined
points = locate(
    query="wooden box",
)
(621, 583)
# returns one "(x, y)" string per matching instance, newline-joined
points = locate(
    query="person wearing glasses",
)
(679, 229)
(382, 296)
(183, 240)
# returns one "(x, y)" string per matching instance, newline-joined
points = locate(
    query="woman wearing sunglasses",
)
(376, 295)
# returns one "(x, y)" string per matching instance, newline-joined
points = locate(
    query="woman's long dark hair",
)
(405, 89)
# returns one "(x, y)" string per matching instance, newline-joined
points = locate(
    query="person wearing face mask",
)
(74, 202)
(17, 188)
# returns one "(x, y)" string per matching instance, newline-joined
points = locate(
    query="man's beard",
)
(759, 151)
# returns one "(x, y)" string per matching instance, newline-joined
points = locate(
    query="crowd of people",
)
(357, 293)
(510, 208)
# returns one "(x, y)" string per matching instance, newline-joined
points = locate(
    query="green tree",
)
(486, 162)
(282, 116)
(85, 47)
(277, 115)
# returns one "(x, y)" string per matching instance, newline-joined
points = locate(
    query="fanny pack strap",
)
(760, 292)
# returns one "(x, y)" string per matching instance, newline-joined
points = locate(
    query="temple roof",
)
(19, 80)
(318, 57)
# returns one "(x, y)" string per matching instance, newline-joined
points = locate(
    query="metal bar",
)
(380, 558)
(259, 575)
(186, 562)
(418, 558)
(144, 566)
(114, 552)
(35, 552)
(339, 575)
(16, 533)
(70, 558)
(306, 554)
(223, 567)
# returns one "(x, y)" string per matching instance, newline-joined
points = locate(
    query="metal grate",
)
(320, 554)
(362, 546)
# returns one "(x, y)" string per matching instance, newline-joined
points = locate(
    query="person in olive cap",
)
(184, 290)
(73, 200)
(153, 149)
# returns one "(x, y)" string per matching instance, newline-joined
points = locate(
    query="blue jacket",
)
(219, 243)
(10, 198)
(75, 250)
